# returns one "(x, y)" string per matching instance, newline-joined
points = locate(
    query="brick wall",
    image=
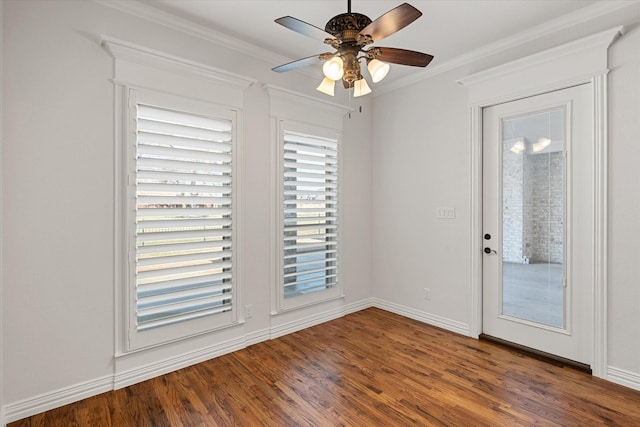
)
(533, 206)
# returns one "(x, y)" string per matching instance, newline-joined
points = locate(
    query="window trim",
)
(140, 67)
(134, 339)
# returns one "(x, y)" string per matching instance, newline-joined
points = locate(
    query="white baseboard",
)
(622, 377)
(47, 401)
(152, 370)
(257, 336)
(162, 367)
(431, 319)
(307, 322)
(44, 402)
(358, 305)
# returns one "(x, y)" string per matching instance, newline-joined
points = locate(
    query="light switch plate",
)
(445, 213)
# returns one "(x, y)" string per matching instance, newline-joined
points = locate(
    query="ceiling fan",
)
(349, 33)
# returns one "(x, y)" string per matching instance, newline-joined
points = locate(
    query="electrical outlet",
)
(427, 293)
(248, 311)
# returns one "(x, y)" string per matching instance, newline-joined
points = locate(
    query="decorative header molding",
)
(130, 52)
(288, 104)
(570, 63)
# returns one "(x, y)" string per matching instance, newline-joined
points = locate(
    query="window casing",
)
(308, 215)
(182, 216)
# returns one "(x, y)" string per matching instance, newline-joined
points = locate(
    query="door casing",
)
(578, 62)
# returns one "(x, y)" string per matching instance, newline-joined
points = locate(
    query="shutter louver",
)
(310, 214)
(183, 216)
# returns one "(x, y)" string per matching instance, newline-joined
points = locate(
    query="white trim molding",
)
(558, 24)
(142, 67)
(2, 409)
(424, 317)
(578, 62)
(161, 367)
(622, 377)
(288, 104)
(186, 26)
(64, 396)
(46, 401)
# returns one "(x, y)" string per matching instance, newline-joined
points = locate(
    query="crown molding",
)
(589, 13)
(560, 23)
(150, 13)
(186, 26)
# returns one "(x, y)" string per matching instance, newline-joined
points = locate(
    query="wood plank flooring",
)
(370, 368)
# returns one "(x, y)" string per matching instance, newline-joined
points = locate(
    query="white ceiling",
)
(447, 29)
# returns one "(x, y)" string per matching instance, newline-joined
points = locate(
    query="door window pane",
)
(533, 195)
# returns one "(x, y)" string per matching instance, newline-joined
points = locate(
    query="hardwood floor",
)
(370, 368)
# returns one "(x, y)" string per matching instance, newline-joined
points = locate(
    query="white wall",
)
(1, 218)
(58, 165)
(624, 204)
(421, 159)
(58, 170)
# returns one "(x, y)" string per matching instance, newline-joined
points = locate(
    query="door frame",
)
(578, 62)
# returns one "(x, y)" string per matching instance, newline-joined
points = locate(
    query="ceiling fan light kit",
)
(333, 68)
(327, 86)
(361, 88)
(349, 33)
(377, 69)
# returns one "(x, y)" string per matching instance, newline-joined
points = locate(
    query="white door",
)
(538, 223)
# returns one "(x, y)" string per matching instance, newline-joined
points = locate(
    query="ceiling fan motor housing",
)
(346, 26)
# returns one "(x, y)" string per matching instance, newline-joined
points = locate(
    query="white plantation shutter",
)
(183, 233)
(310, 214)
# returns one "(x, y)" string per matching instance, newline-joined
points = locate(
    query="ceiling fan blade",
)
(392, 21)
(403, 56)
(304, 62)
(303, 28)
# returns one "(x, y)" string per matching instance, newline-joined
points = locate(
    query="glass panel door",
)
(533, 212)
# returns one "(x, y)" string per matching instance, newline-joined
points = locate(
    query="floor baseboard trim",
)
(358, 306)
(431, 319)
(152, 370)
(309, 321)
(256, 337)
(623, 377)
(306, 322)
(44, 402)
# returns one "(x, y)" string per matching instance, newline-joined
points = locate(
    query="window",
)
(309, 216)
(182, 188)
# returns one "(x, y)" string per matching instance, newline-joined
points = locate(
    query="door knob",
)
(489, 251)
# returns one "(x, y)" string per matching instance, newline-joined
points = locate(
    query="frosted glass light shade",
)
(360, 88)
(377, 69)
(327, 86)
(333, 68)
